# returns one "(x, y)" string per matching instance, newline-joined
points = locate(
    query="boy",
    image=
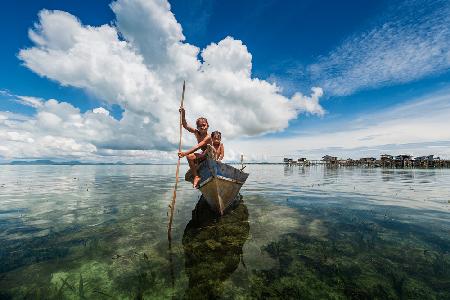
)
(203, 139)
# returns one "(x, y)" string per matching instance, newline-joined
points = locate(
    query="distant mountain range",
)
(76, 162)
(70, 163)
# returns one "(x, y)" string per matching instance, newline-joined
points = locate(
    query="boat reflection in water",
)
(213, 248)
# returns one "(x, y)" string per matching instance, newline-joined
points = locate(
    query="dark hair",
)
(201, 119)
(216, 133)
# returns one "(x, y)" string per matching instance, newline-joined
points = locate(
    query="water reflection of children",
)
(213, 249)
(216, 138)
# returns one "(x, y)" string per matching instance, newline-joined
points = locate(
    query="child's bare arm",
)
(183, 121)
(221, 152)
(204, 142)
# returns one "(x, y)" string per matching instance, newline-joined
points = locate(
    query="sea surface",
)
(100, 232)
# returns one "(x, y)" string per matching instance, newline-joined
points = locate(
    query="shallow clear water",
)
(100, 232)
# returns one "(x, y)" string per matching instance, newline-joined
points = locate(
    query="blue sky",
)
(368, 58)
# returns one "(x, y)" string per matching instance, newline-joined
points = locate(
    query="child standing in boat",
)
(216, 138)
(203, 139)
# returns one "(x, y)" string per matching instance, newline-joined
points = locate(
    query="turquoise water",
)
(100, 232)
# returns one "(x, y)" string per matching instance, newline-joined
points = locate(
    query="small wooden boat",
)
(220, 183)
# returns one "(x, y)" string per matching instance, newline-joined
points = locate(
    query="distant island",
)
(76, 163)
(68, 163)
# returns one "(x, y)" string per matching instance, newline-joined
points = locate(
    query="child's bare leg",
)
(191, 160)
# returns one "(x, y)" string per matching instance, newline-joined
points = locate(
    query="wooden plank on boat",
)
(220, 193)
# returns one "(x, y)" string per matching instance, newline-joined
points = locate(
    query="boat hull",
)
(220, 184)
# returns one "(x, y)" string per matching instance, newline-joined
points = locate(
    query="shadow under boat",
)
(220, 183)
(213, 248)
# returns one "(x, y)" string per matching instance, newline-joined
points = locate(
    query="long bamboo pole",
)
(174, 198)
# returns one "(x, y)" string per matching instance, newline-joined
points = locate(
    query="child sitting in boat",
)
(216, 138)
(203, 139)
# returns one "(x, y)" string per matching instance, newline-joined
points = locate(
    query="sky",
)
(101, 81)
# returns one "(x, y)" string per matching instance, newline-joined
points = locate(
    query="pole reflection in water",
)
(213, 248)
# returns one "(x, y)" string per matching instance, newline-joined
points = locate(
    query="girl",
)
(216, 137)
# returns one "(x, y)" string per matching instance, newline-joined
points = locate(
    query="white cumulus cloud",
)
(100, 110)
(139, 63)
